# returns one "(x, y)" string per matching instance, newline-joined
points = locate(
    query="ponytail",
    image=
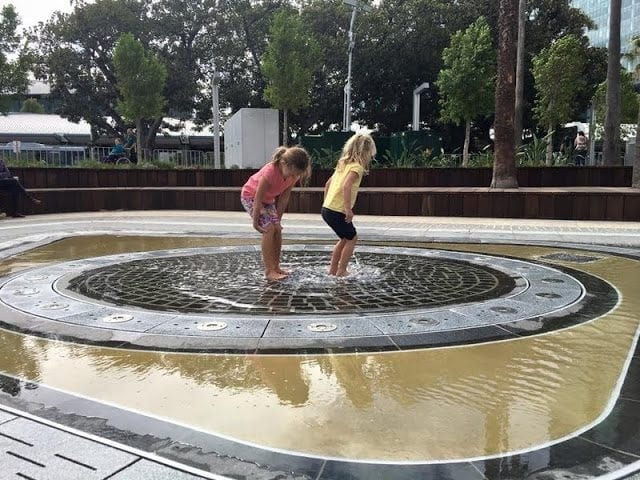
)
(296, 157)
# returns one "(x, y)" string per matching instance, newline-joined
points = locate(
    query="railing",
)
(47, 157)
(179, 158)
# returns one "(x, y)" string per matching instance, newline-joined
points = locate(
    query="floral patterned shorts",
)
(268, 214)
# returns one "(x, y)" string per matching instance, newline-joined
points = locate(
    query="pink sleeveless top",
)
(277, 183)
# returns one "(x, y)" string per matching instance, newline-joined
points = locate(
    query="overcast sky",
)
(33, 11)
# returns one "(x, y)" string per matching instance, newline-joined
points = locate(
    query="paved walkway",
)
(38, 228)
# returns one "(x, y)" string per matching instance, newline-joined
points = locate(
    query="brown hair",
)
(295, 157)
(360, 148)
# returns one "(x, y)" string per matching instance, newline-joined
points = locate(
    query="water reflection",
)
(413, 405)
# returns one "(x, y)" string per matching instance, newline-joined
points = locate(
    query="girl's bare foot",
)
(283, 272)
(343, 273)
(275, 275)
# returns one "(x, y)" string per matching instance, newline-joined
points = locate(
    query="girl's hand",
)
(256, 225)
(348, 216)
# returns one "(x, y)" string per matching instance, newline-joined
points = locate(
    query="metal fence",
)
(45, 157)
(60, 157)
(178, 158)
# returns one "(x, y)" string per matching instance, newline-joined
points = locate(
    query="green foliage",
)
(141, 78)
(410, 157)
(325, 158)
(24, 159)
(13, 73)
(484, 159)
(398, 45)
(628, 95)
(533, 154)
(557, 71)
(291, 58)
(31, 105)
(467, 81)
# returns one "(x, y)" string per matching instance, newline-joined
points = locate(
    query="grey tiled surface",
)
(32, 450)
(144, 469)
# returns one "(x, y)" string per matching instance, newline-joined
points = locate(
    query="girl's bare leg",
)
(269, 254)
(278, 241)
(335, 256)
(345, 256)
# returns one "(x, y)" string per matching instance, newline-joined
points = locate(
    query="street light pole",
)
(346, 116)
(215, 87)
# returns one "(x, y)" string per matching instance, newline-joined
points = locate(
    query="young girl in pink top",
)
(266, 195)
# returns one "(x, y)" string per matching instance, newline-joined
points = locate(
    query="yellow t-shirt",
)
(333, 200)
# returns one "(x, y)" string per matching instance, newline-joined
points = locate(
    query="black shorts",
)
(337, 223)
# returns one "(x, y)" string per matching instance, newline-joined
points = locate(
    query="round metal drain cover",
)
(209, 326)
(322, 327)
(427, 322)
(117, 318)
(54, 306)
(548, 295)
(27, 292)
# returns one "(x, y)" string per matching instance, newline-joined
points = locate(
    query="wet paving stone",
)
(233, 282)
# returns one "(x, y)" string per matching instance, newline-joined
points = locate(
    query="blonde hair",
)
(296, 158)
(360, 148)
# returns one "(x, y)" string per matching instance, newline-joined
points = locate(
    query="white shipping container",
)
(250, 137)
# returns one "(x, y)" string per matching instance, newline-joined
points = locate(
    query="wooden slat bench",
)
(562, 203)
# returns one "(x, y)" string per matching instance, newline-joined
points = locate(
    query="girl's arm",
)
(283, 200)
(346, 195)
(263, 186)
(326, 186)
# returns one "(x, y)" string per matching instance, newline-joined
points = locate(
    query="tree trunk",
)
(613, 115)
(139, 152)
(465, 149)
(549, 155)
(522, 12)
(635, 182)
(150, 130)
(504, 165)
(285, 128)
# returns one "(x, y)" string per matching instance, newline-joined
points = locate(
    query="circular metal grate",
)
(233, 282)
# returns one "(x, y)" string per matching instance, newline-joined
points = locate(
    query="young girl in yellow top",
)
(340, 194)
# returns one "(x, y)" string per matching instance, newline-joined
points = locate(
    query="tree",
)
(467, 81)
(75, 53)
(612, 116)
(31, 105)
(628, 95)
(140, 79)
(522, 21)
(13, 73)
(635, 54)
(288, 65)
(504, 163)
(557, 71)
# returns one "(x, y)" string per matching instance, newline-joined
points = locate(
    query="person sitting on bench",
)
(14, 187)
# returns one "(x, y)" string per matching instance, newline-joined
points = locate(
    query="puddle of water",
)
(416, 405)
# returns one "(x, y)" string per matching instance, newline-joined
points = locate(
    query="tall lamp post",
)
(346, 115)
(215, 87)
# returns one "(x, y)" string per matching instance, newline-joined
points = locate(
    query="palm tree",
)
(522, 19)
(634, 54)
(504, 165)
(613, 113)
